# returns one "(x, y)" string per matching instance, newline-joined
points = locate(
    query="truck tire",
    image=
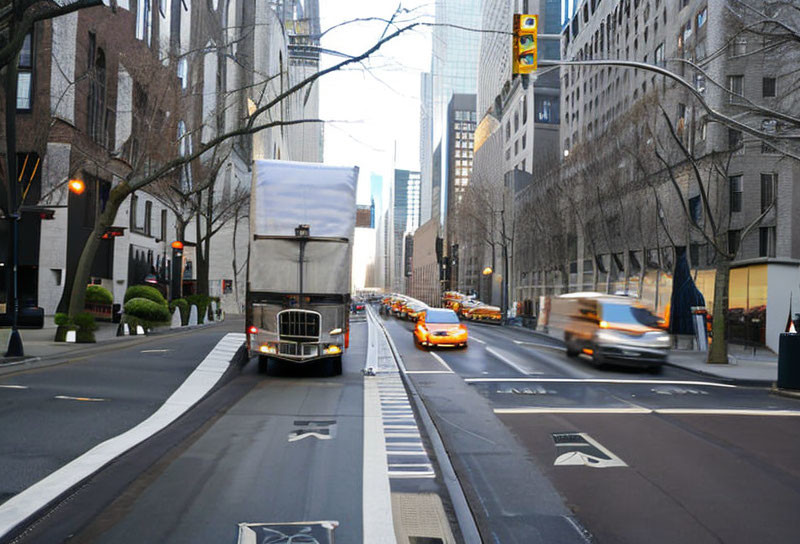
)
(336, 366)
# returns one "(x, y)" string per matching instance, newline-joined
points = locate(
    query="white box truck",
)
(302, 223)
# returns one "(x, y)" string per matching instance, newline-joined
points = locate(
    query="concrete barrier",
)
(176, 319)
(193, 316)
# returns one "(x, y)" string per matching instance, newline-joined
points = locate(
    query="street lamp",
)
(487, 271)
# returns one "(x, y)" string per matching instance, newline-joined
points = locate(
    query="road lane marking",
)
(538, 345)
(13, 386)
(727, 412)
(155, 350)
(436, 356)
(429, 372)
(376, 502)
(573, 410)
(84, 399)
(192, 390)
(509, 362)
(596, 380)
(323, 430)
(478, 340)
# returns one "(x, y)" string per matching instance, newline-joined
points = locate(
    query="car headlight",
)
(663, 340)
(607, 336)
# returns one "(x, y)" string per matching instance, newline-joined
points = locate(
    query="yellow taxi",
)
(440, 327)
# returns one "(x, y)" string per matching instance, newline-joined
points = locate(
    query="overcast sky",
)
(371, 109)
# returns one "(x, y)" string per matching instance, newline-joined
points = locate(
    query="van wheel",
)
(597, 360)
(570, 347)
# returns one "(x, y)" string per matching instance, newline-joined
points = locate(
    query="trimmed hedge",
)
(146, 292)
(184, 308)
(85, 322)
(96, 294)
(147, 311)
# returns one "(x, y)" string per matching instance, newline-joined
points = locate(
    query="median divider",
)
(21, 508)
(463, 513)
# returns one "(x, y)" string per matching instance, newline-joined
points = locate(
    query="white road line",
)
(478, 340)
(12, 386)
(376, 493)
(200, 381)
(84, 399)
(642, 410)
(571, 410)
(429, 371)
(538, 345)
(594, 380)
(727, 412)
(155, 350)
(509, 362)
(436, 356)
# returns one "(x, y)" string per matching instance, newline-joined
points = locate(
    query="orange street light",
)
(177, 244)
(487, 271)
(76, 186)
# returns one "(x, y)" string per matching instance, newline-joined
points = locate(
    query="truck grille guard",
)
(299, 325)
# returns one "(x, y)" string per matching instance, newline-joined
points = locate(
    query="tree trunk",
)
(202, 261)
(77, 298)
(718, 353)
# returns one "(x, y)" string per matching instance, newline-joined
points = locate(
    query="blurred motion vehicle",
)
(483, 312)
(453, 300)
(302, 216)
(399, 303)
(440, 327)
(608, 329)
(414, 309)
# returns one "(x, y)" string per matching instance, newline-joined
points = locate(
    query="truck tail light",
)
(252, 329)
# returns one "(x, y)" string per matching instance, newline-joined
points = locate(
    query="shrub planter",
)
(61, 332)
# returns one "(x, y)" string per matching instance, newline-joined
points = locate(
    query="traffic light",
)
(524, 55)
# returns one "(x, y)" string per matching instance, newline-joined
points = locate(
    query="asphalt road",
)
(52, 415)
(631, 456)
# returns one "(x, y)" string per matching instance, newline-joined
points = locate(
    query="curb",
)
(20, 511)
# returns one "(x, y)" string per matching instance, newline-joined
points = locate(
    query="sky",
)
(372, 111)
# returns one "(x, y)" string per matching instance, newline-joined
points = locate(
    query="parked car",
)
(440, 327)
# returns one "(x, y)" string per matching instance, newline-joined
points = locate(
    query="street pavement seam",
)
(27, 503)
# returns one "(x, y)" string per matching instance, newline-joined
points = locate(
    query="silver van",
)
(609, 329)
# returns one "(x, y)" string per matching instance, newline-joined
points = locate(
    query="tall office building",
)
(426, 145)
(453, 65)
(406, 210)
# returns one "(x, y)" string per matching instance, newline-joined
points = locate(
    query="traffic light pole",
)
(15, 348)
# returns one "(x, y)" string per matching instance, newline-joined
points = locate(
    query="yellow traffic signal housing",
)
(525, 55)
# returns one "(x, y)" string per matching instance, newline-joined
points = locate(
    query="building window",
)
(25, 75)
(695, 209)
(768, 87)
(134, 214)
(702, 16)
(766, 242)
(144, 22)
(183, 72)
(163, 225)
(767, 190)
(96, 99)
(738, 47)
(658, 56)
(735, 184)
(524, 109)
(735, 88)
(768, 127)
(516, 121)
(735, 142)
(733, 241)
(148, 218)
